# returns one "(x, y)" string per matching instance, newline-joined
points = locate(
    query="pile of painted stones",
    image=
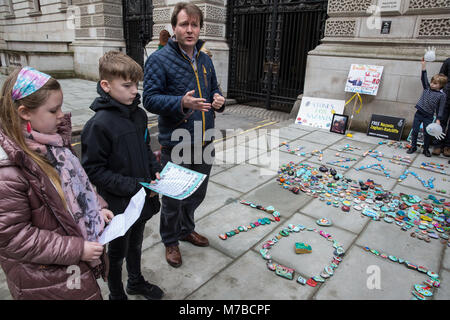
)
(428, 218)
(421, 291)
(289, 273)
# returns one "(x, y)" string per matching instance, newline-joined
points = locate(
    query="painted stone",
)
(311, 282)
(423, 290)
(432, 275)
(302, 248)
(301, 280)
(271, 266)
(284, 272)
(318, 279)
(324, 222)
(223, 236)
(265, 254)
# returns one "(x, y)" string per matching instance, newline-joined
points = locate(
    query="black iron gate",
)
(137, 27)
(269, 43)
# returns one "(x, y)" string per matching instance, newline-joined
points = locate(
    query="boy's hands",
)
(424, 64)
(107, 215)
(152, 193)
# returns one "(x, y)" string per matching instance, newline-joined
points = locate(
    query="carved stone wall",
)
(434, 28)
(426, 4)
(340, 28)
(346, 6)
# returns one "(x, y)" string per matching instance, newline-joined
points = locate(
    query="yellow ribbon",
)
(360, 101)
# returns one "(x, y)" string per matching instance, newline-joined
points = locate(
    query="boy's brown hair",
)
(440, 78)
(116, 64)
(191, 10)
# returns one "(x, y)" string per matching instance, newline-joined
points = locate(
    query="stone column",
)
(98, 30)
(213, 32)
(353, 35)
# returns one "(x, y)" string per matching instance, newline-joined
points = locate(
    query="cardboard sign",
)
(364, 79)
(386, 127)
(318, 112)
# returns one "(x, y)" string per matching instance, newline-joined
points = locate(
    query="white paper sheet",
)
(120, 224)
(176, 182)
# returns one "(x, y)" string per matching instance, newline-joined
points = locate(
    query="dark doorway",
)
(269, 43)
(137, 27)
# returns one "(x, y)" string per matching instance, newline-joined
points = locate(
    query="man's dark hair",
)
(191, 10)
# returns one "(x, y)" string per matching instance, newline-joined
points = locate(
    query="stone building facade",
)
(67, 37)
(353, 35)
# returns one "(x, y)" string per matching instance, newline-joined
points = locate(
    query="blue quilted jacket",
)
(168, 76)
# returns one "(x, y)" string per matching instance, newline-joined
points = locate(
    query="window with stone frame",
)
(35, 8)
(10, 9)
(64, 5)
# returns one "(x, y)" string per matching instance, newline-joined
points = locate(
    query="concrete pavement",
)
(246, 169)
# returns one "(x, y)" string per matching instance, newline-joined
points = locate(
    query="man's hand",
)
(191, 102)
(218, 101)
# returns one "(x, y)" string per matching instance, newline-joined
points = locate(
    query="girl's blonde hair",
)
(11, 123)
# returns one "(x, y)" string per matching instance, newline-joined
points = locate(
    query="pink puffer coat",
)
(39, 238)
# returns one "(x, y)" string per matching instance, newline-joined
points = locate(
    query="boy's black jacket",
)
(116, 153)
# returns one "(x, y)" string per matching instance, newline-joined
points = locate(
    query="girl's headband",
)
(28, 81)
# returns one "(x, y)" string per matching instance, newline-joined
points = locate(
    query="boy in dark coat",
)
(117, 157)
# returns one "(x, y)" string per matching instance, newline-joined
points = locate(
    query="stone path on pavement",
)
(246, 169)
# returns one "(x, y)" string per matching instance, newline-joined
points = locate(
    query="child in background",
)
(431, 101)
(50, 215)
(117, 157)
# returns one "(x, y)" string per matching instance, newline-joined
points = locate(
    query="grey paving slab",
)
(230, 218)
(330, 155)
(364, 175)
(217, 168)
(289, 133)
(199, 265)
(248, 275)
(363, 137)
(394, 170)
(306, 147)
(264, 141)
(272, 194)
(438, 182)
(325, 137)
(389, 152)
(299, 126)
(359, 146)
(446, 259)
(216, 197)
(443, 292)
(355, 279)
(310, 264)
(243, 177)
(274, 159)
(390, 239)
(443, 161)
(352, 221)
(236, 155)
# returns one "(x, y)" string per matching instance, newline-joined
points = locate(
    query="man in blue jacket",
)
(180, 85)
